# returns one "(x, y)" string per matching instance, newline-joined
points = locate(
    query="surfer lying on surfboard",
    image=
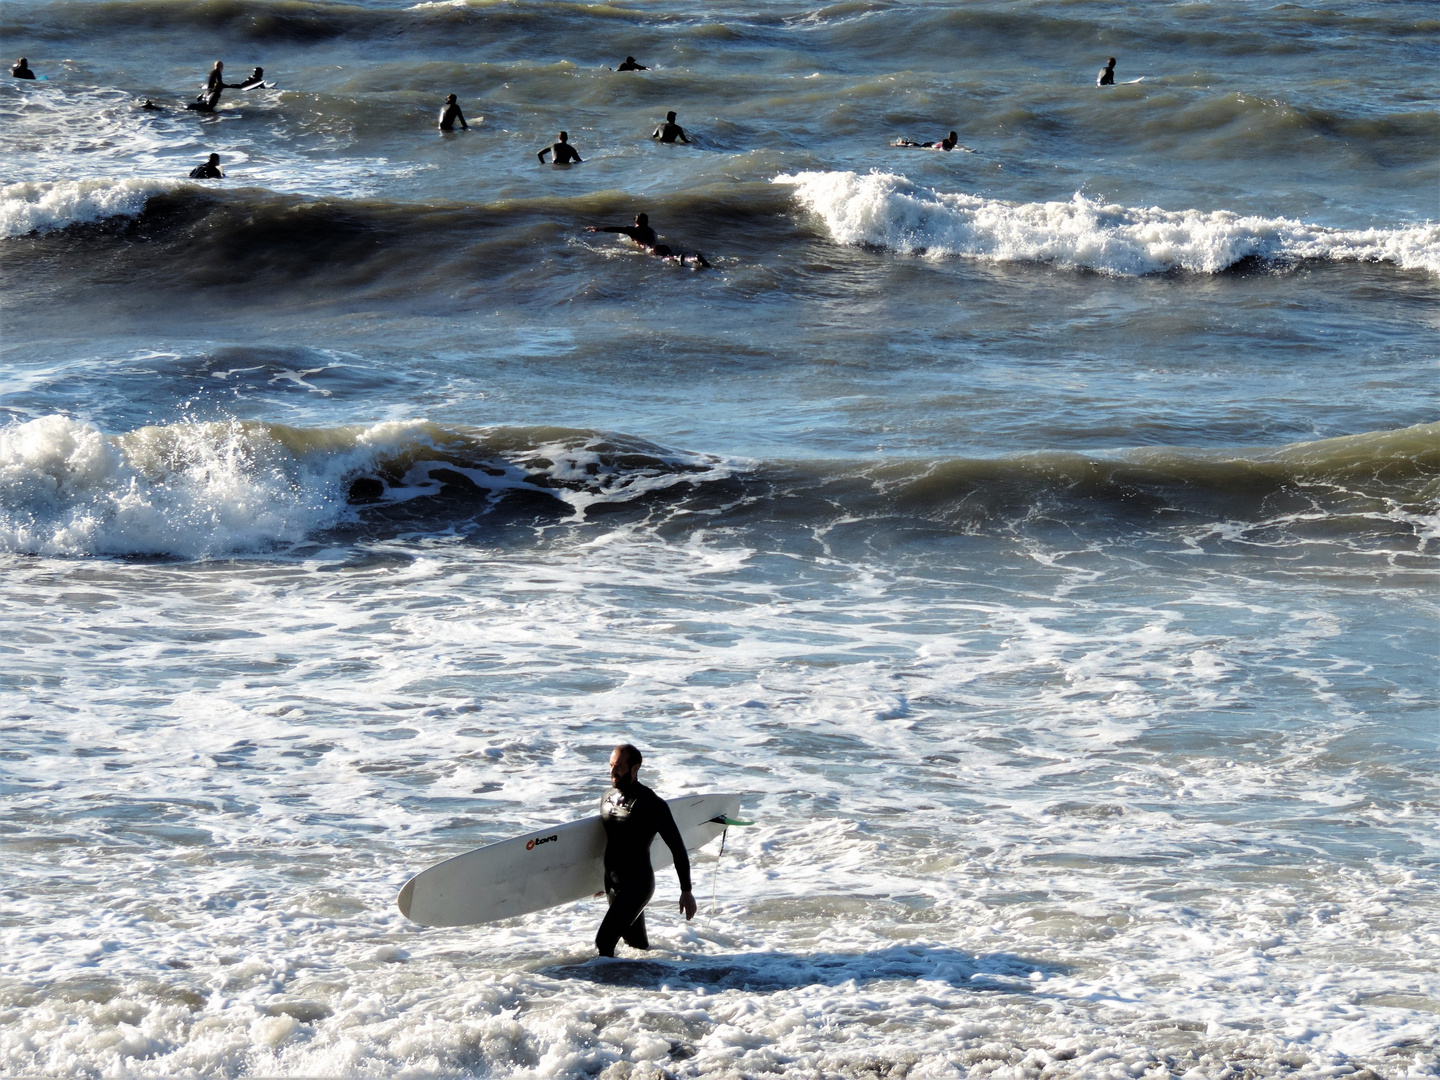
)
(646, 237)
(950, 142)
(632, 814)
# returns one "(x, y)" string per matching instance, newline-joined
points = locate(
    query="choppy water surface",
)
(1043, 537)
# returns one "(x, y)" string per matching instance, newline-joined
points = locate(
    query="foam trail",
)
(44, 206)
(887, 210)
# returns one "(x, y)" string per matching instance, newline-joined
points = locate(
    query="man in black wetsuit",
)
(646, 237)
(1107, 74)
(640, 232)
(214, 84)
(632, 814)
(449, 113)
(563, 151)
(21, 70)
(669, 131)
(947, 144)
(208, 171)
(631, 65)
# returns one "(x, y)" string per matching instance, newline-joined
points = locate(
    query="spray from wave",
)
(887, 210)
(44, 206)
(201, 490)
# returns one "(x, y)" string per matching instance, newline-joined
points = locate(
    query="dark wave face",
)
(71, 490)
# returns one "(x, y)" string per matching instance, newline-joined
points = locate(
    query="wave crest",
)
(44, 206)
(887, 210)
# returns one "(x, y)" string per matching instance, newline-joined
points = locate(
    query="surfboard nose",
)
(403, 900)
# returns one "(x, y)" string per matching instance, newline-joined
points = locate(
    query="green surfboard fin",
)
(723, 820)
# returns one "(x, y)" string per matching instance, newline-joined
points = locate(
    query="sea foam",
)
(43, 206)
(887, 210)
(182, 490)
(200, 490)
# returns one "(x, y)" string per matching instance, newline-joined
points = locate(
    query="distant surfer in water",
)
(210, 170)
(562, 150)
(631, 65)
(669, 131)
(645, 236)
(950, 142)
(1107, 74)
(21, 70)
(449, 113)
(632, 815)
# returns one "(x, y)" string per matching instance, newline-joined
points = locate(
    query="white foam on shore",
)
(1040, 823)
(887, 210)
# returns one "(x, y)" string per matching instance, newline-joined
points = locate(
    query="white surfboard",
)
(541, 869)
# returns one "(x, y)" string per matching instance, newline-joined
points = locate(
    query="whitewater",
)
(1043, 540)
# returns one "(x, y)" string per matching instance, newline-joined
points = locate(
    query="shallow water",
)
(1043, 539)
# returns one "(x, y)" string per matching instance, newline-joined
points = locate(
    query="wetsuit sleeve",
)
(670, 833)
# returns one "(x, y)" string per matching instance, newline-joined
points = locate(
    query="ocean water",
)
(1042, 537)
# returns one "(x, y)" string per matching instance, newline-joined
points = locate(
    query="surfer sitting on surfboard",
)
(21, 70)
(1107, 74)
(632, 814)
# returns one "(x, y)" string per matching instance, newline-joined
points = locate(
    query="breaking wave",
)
(203, 490)
(887, 210)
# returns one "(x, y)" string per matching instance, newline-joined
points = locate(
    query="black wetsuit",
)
(1107, 77)
(630, 65)
(563, 151)
(643, 235)
(670, 131)
(449, 114)
(632, 816)
(206, 172)
(19, 72)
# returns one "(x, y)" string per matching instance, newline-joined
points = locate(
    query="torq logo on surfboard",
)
(541, 840)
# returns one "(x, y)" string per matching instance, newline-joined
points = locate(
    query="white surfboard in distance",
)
(543, 868)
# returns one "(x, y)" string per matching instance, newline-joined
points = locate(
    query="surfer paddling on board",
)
(645, 236)
(632, 815)
(950, 142)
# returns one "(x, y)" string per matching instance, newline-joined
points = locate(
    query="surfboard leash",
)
(727, 821)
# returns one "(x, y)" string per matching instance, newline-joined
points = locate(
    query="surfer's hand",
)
(687, 905)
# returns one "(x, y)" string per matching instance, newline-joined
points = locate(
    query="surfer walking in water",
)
(632, 815)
